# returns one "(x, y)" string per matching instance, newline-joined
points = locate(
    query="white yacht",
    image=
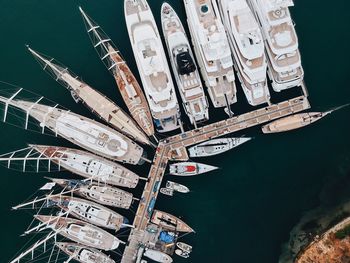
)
(157, 256)
(212, 50)
(247, 45)
(184, 66)
(88, 165)
(216, 146)
(152, 64)
(83, 254)
(81, 232)
(84, 132)
(100, 193)
(88, 211)
(282, 48)
(190, 168)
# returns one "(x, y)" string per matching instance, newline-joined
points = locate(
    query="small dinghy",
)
(216, 146)
(177, 187)
(158, 256)
(182, 253)
(167, 191)
(190, 168)
(184, 247)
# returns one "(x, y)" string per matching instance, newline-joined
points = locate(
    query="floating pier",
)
(174, 149)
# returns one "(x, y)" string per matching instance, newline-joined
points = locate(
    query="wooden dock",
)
(174, 149)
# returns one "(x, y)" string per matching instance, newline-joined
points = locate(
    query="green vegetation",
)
(343, 233)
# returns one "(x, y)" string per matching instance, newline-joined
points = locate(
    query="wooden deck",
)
(174, 148)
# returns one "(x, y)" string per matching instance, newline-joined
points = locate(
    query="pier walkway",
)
(174, 149)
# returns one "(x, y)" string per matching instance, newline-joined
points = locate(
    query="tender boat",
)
(98, 103)
(190, 168)
(81, 232)
(157, 256)
(97, 192)
(216, 146)
(167, 191)
(177, 187)
(212, 50)
(247, 45)
(128, 85)
(184, 66)
(184, 247)
(294, 122)
(86, 133)
(88, 211)
(152, 64)
(182, 253)
(281, 42)
(83, 254)
(170, 222)
(89, 165)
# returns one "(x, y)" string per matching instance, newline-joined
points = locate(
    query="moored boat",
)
(177, 187)
(190, 168)
(185, 247)
(157, 256)
(281, 42)
(247, 45)
(216, 146)
(293, 122)
(184, 66)
(88, 211)
(97, 192)
(98, 103)
(212, 50)
(167, 191)
(81, 232)
(89, 165)
(182, 253)
(128, 85)
(82, 131)
(170, 222)
(83, 254)
(152, 64)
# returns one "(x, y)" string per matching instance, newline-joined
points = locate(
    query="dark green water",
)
(243, 212)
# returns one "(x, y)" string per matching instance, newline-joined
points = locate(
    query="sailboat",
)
(190, 168)
(41, 158)
(83, 254)
(88, 211)
(102, 194)
(152, 64)
(81, 232)
(184, 66)
(84, 132)
(127, 83)
(98, 103)
(170, 222)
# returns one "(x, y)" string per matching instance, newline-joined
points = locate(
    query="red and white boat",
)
(190, 168)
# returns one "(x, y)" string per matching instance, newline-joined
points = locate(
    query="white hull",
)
(247, 46)
(190, 168)
(212, 51)
(216, 146)
(89, 166)
(184, 66)
(158, 256)
(152, 64)
(281, 42)
(177, 187)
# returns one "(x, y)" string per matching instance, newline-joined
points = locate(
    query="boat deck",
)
(174, 148)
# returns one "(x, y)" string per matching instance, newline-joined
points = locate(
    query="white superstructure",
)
(152, 64)
(248, 47)
(84, 132)
(212, 50)
(281, 41)
(184, 66)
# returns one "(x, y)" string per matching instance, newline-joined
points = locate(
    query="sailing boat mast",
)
(99, 104)
(128, 85)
